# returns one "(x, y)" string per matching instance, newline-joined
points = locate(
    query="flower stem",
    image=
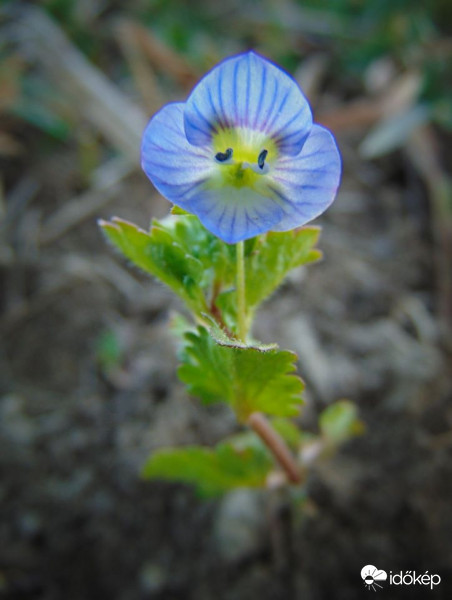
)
(262, 426)
(240, 287)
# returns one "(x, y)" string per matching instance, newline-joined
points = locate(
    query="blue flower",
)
(242, 153)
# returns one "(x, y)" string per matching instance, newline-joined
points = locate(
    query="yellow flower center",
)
(243, 156)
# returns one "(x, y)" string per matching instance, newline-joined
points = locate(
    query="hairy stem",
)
(240, 287)
(262, 426)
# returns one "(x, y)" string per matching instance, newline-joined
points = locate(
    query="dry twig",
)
(98, 99)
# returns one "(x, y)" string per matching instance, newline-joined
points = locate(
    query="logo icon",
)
(371, 575)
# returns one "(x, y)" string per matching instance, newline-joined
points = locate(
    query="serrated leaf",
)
(201, 268)
(273, 256)
(160, 255)
(212, 471)
(217, 258)
(339, 422)
(249, 378)
(224, 339)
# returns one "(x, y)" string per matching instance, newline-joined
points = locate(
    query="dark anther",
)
(222, 156)
(261, 158)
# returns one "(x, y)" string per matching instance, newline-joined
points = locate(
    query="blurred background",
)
(88, 382)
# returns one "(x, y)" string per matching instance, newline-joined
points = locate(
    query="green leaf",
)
(159, 254)
(249, 378)
(272, 256)
(201, 268)
(225, 339)
(339, 422)
(216, 257)
(268, 259)
(212, 471)
(177, 210)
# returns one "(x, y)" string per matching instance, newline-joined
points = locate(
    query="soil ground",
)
(78, 523)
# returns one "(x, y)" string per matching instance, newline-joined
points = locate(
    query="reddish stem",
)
(262, 426)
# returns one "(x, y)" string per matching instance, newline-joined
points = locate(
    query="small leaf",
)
(273, 256)
(339, 422)
(224, 339)
(160, 255)
(177, 210)
(212, 471)
(249, 378)
(201, 268)
(217, 258)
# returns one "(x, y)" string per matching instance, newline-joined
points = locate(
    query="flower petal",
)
(307, 183)
(249, 91)
(234, 214)
(176, 168)
(185, 175)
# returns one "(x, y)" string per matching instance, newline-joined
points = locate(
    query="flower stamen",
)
(261, 159)
(224, 156)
